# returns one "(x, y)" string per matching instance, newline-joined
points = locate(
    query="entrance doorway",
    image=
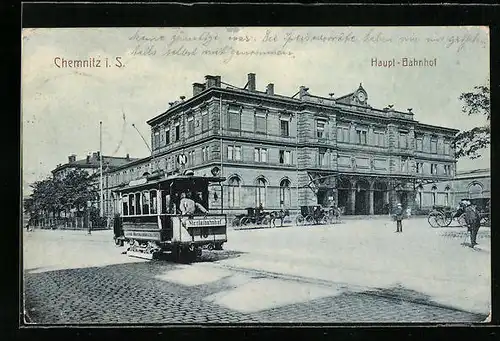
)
(343, 189)
(379, 198)
(362, 198)
(403, 198)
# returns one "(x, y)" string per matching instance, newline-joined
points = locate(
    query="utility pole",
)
(101, 201)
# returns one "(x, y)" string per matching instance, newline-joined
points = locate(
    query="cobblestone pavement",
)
(133, 293)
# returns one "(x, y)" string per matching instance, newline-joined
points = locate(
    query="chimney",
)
(251, 81)
(71, 158)
(88, 158)
(127, 157)
(198, 88)
(270, 89)
(212, 81)
(303, 91)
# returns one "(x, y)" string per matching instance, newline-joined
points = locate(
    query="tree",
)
(469, 142)
(52, 196)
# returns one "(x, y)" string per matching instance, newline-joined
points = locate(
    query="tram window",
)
(138, 203)
(145, 202)
(125, 205)
(153, 201)
(131, 204)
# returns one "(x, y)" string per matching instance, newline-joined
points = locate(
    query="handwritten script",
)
(234, 43)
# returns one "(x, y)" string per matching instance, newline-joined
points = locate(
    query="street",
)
(354, 271)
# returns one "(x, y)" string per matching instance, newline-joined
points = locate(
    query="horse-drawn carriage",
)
(317, 214)
(258, 216)
(442, 216)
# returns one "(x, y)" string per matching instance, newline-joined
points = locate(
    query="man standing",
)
(398, 217)
(188, 206)
(473, 221)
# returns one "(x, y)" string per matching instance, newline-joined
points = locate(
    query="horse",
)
(281, 215)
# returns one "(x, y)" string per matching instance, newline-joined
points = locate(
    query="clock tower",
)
(360, 96)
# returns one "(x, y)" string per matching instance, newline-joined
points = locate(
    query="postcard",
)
(198, 175)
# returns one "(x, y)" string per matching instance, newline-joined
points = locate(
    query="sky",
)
(62, 106)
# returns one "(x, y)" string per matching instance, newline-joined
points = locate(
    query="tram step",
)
(142, 255)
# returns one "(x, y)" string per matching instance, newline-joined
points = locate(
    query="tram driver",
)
(188, 206)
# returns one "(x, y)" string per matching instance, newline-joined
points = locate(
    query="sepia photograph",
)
(230, 175)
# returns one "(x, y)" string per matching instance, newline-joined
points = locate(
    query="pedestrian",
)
(473, 220)
(398, 217)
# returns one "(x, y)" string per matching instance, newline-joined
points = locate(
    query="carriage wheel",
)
(265, 221)
(309, 220)
(433, 219)
(326, 220)
(447, 220)
(244, 221)
(299, 220)
(236, 222)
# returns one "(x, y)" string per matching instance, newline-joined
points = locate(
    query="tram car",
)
(153, 222)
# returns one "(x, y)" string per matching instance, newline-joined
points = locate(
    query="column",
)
(352, 204)
(370, 201)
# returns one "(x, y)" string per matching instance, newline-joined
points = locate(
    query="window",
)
(434, 190)
(320, 129)
(378, 138)
(145, 202)
(237, 153)
(420, 167)
(361, 136)
(420, 144)
(403, 139)
(191, 160)
(261, 122)
(205, 153)
(404, 165)
(260, 192)
(285, 197)
(447, 169)
(162, 137)
(234, 192)
(230, 155)
(153, 201)
(138, 203)
(343, 134)
(446, 148)
(177, 131)
(285, 157)
(131, 204)
(204, 119)
(475, 191)
(322, 159)
(433, 168)
(433, 145)
(125, 205)
(190, 122)
(167, 136)
(284, 128)
(234, 118)
(156, 139)
(260, 155)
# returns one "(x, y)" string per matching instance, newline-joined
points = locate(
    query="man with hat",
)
(473, 220)
(398, 217)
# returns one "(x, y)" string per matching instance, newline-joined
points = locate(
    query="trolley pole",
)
(101, 200)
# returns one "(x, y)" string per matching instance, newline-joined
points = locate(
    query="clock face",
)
(361, 96)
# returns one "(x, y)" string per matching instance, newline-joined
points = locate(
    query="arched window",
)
(447, 190)
(434, 190)
(260, 192)
(234, 192)
(475, 191)
(285, 196)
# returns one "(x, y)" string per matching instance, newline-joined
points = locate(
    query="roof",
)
(93, 162)
(155, 180)
(473, 172)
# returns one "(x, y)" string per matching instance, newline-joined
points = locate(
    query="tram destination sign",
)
(201, 222)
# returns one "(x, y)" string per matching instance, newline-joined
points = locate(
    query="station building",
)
(294, 151)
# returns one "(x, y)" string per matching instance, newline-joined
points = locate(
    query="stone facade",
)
(298, 151)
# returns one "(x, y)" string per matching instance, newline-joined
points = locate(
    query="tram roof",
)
(151, 183)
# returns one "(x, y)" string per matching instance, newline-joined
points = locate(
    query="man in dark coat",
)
(398, 217)
(473, 220)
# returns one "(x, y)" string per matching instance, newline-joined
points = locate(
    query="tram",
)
(152, 223)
